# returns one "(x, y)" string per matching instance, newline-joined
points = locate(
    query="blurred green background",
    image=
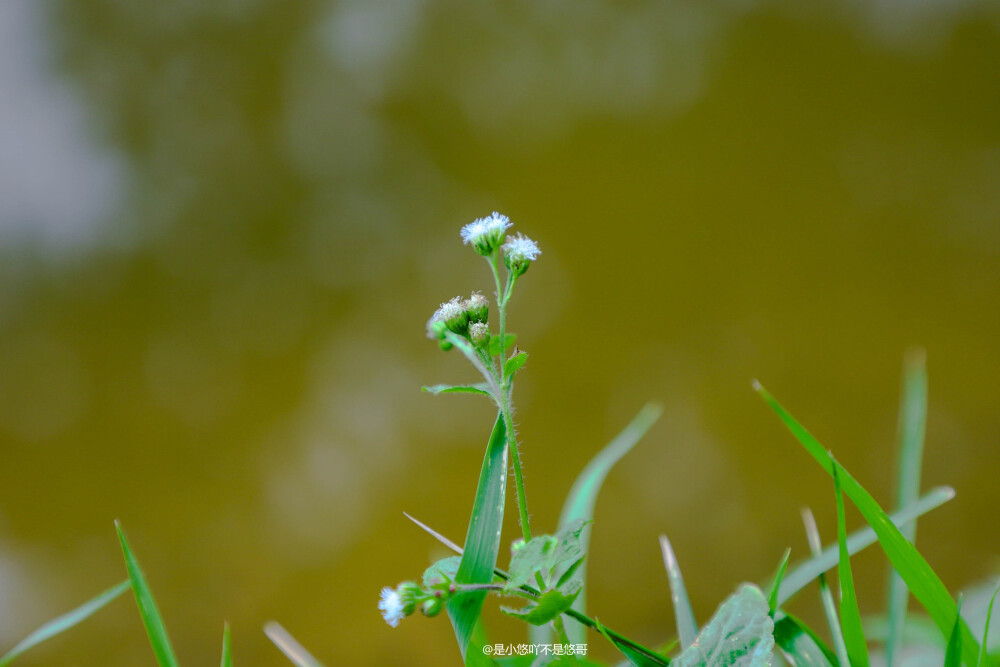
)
(224, 224)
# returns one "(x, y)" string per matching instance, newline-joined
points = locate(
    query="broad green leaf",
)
(741, 634)
(547, 607)
(800, 645)
(687, 627)
(514, 364)
(551, 556)
(912, 419)
(482, 542)
(495, 349)
(227, 658)
(772, 596)
(802, 574)
(829, 608)
(480, 388)
(582, 498)
(64, 622)
(920, 578)
(287, 644)
(147, 606)
(986, 630)
(443, 571)
(850, 615)
(953, 654)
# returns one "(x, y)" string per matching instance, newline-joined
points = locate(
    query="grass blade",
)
(227, 658)
(482, 543)
(953, 654)
(829, 608)
(802, 574)
(850, 615)
(986, 630)
(582, 498)
(64, 622)
(772, 596)
(147, 606)
(921, 579)
(912, 420)
(286, 643)
(798, 642)
(687, 627)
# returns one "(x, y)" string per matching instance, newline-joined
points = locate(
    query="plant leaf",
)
(772, 596)
(64, 622)
(800, 644)
(551, 556)
(986, 630)
(443, 571)
(953, 654)
(514, 364)
(287, 644)
(482, 542)
(816, 546)
(741, 634)
(479, 388)
(687, 627)
(547, 607)
(157, 632)
(227, 658)
(495, 348)
(850, 615)
(920, 578)
(634, 657)
(580, 505)
(912, 420)
(802, 574)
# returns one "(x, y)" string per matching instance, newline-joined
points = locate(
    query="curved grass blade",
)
(287, 644)
(482, 543)
(986, 630)
(850, 615)
(912, 420)
(435, 389)
(582, 498)
(801, 646)
(772, 596)
(634, 657)
(227, 658)
(953, 654)
(147, 606)
(687, 627)
(920, 578)
(829, 608)
(64, 622)
(802, 574)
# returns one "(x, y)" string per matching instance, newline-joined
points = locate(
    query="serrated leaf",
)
(443, 571)
(514, 364)
(496, 349)
(741, 634)
(800, 645)
(551, 556)
(482, 542)
(64, 622)
(547, 607)
(920, 578)
(155, 628)
(480, 388)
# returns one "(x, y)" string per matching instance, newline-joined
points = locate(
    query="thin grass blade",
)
(287, 644)
(64, 622)
(155, 628)
(912, 420)
(986, 630)
(582, 498)
(953, 654)
(227, 658)
(829, 608)
(801, 645)
(482, 543)
(772, 596)
(687, 627)
(802, 574)
(921, 579)
(850, 615)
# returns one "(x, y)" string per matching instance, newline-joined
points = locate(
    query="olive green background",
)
(224, 224)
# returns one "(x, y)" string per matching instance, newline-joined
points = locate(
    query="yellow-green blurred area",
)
(223, 226)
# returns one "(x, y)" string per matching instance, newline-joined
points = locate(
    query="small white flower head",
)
(486, 234)
(519, 252)
(478, 307)
(391, 606)
(479, 333)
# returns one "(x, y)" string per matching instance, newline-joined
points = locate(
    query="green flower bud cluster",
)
(465, 317)
(409, 596)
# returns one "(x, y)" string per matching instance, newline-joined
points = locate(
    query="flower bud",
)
(486, 234)
(454, 316)
(479, 334)
(432, 606)
(518, 253)
(478, 307)
(409, 595)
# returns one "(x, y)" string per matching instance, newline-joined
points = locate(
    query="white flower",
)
(391, 606)
(485, 234)
(520, 249)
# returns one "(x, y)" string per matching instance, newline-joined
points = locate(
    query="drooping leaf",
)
(547, 607)
(514, 364)
(482, 542)
(912, 420)
(479, 388)
(288, 645)
(227, 658)
(829, 608)
(64, 622)
(495, 348)
(687, 627)
(772, 596)
(850, 615)
(741, 634)
(953, 654)
(800, 645)
(155, 628)
(920, 578)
